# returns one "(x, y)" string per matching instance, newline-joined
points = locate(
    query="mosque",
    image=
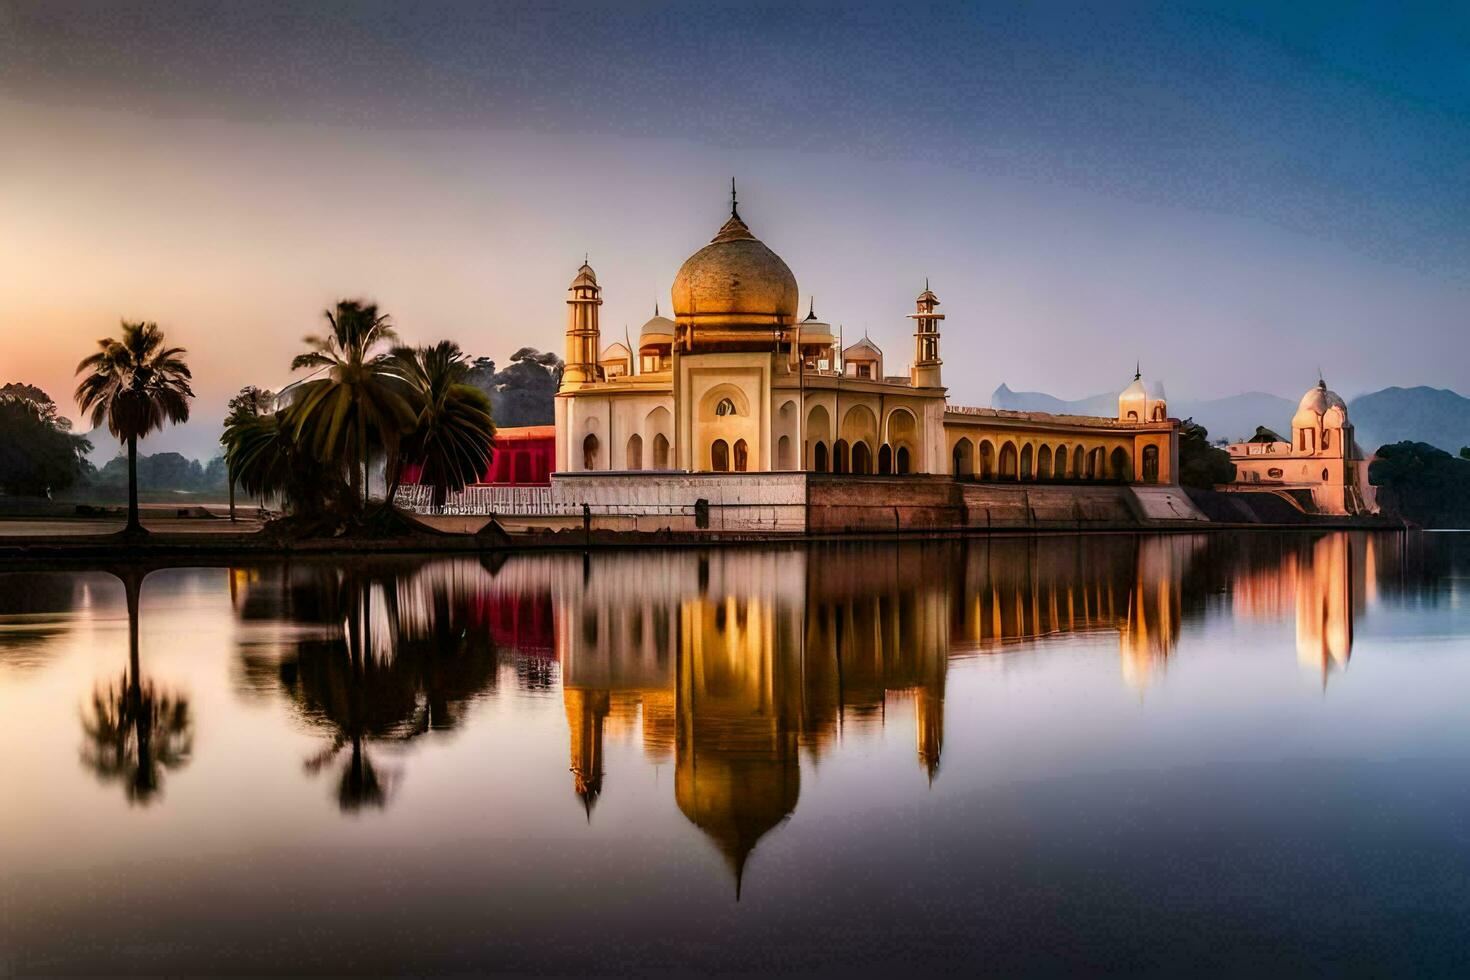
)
(1321, 466)
(738, 381)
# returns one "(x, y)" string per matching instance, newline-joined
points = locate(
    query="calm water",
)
(1103, 753)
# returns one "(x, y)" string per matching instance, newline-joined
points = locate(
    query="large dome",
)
(735, 281)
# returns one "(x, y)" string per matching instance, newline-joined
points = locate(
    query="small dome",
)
(863, 350)
(735, 281)
(615, 351)
(1335, 417)
(1315, 400)
(659, 330)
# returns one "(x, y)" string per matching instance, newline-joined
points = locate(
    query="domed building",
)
(1321, 469)
(738, 380)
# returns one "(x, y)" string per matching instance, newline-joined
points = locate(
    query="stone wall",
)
(815, 503)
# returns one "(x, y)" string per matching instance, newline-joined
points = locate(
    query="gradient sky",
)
(1232, 193)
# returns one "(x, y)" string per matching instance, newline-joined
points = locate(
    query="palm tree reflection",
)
(134, 729)
(399, 660)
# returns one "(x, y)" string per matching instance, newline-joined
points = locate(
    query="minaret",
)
(925, 372)
(584, 339)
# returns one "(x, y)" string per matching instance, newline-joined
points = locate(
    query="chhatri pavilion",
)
(738, 381)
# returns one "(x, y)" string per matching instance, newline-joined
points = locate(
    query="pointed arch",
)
(635, 452)
(719, 453)
(1009, 460)
(963, 458)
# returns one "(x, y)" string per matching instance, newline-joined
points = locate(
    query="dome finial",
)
(655, 307)
(734, 204)
(926, 284)
(1137, 370)
(1321, 381)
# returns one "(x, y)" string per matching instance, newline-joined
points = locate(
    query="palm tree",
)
(136, 385)
(451, 438)
(360, 397)
(250, 403)
(264, 457)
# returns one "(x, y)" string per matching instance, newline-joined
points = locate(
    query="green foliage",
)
(525, 392)
(159, 471)
(1201, 464)
(1422, 484)
(135, 385)
(450, 441)
(270, 463)
(358, 401)
(38, 455)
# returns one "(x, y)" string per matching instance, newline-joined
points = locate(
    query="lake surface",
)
(1219, 753)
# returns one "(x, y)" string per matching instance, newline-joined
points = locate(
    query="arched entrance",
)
(819, 457)
(742, 456)
(885, 460)
(1008, 461)
(1118, 468)
(862, 459)
(1043, 463)
(719, 456)
(987, 460)
(963, 459)
(635, 452)
(1061, 468)
(1079, 469)
(660, 451)
(1150, 464)
(840, 461)
(901, 461)
(1026, 462)
(589, 452)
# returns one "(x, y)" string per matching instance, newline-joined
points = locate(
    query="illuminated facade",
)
(1322, 467)
(737, 381)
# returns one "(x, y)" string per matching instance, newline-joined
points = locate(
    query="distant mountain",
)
(1039, 401)
(1234, 418)
(1437, 416)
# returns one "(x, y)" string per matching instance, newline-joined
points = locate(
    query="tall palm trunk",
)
(135, 525)
(232, 498)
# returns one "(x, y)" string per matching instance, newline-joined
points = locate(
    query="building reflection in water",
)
(733, 664)
(1323, 582)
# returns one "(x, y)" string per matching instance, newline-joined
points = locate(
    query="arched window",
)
(1324, 476)
(963, 458)
(1008, 461)
(589, 452)
(742, 454)
(819, 457)
(1119, 466)
(1150, 464)
(901, 460)
(660, 452)
(885, 459)
(725, 407)
(1132, 416)
(783, 453)
(635, 452)
(719, 456)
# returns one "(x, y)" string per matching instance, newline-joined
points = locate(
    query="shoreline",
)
(174, 546)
